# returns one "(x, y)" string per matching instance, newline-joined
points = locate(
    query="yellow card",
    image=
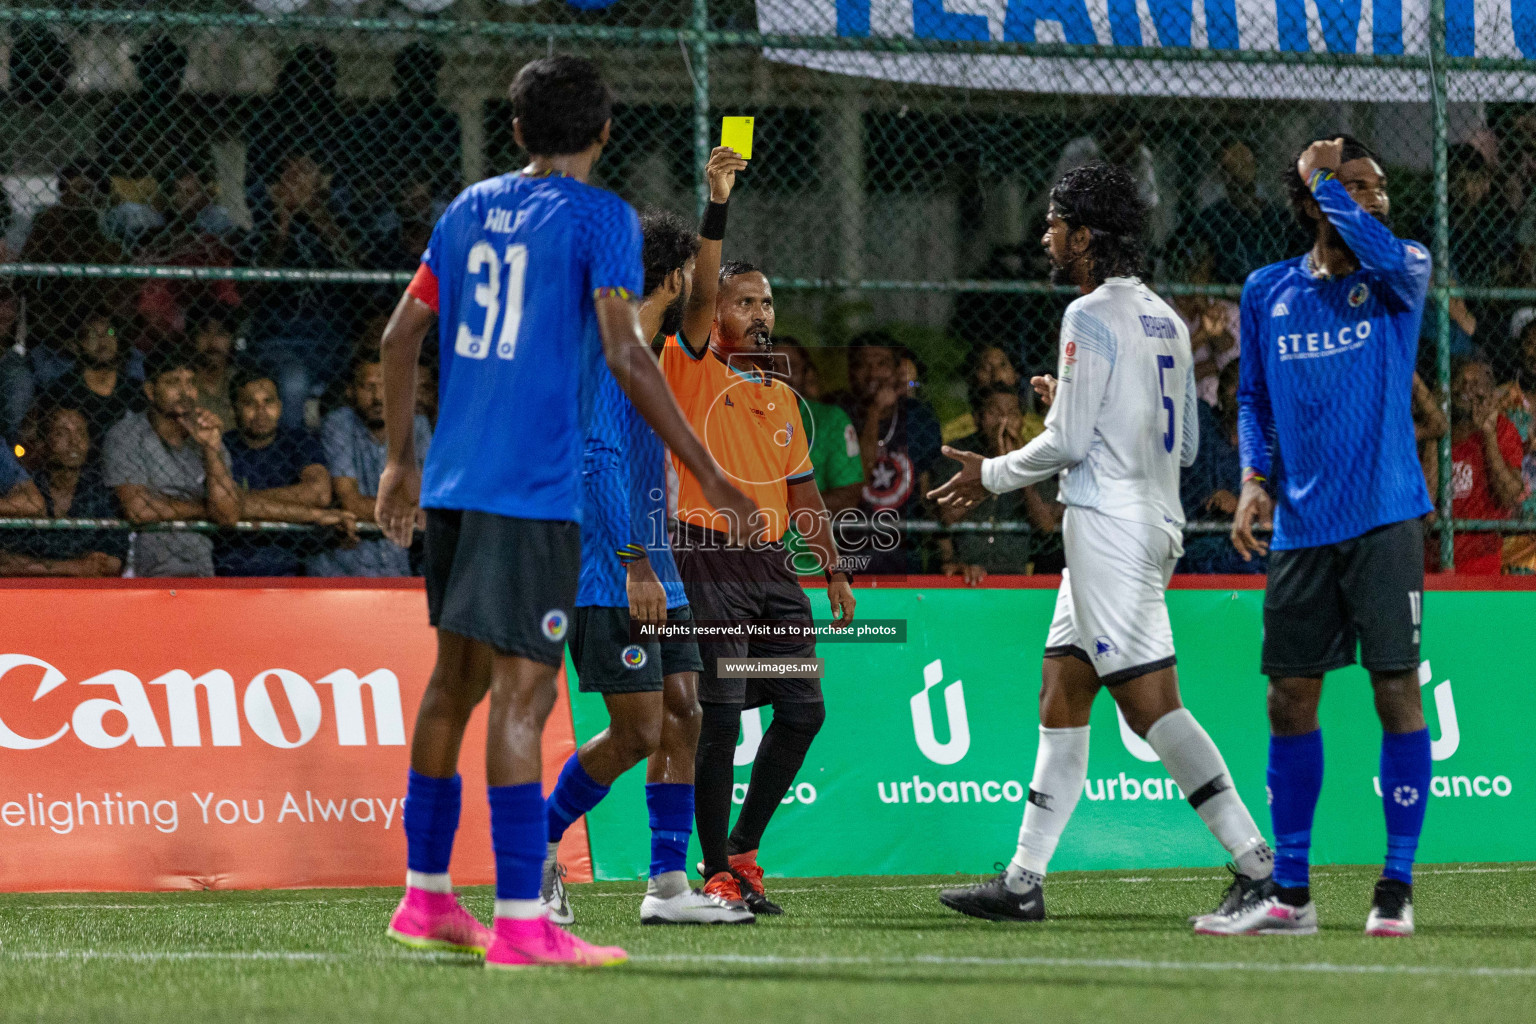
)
(736, 132)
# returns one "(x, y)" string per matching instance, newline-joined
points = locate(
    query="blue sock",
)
(1295, 781)
(574, 794)
(1406, 767)
(430, 818)
(671, 807)
(517, 837)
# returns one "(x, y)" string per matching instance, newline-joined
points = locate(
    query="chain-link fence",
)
(225, 199)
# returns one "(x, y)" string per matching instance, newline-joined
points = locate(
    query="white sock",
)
(519, 910)
(667, 884)
(1061, 769)
(1197, 766)
(429, 882)
(552, 852)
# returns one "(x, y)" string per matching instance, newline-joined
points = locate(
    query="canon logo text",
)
(185, 724)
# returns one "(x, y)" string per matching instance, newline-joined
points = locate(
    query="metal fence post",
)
(701, 133)
(1442, 275)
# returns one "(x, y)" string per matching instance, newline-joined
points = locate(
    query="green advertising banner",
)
(928, 747)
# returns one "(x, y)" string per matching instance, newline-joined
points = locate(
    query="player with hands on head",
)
(1121, 426)
(1329, 342)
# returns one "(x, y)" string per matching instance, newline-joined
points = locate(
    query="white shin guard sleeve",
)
(1061, 769)
(1197, 766)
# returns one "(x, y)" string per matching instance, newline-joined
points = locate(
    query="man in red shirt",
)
(1485, 464)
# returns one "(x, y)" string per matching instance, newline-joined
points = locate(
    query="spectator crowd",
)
(229, 405)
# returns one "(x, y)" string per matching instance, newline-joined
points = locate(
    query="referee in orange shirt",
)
(719, 369)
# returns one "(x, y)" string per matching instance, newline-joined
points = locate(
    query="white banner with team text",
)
(1474, 28)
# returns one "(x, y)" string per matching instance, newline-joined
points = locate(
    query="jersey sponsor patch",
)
(1066, 374)
(633, 656)
(1321, 344)
(1103, 645)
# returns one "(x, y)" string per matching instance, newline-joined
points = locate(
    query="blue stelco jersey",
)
(517, 261)
(1327, 383)
(624, 502)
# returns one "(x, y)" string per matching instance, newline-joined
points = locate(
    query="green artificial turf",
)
(847, 949)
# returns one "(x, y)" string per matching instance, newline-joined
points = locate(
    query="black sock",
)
(779, 757)
(713, 779)
(1296, 896)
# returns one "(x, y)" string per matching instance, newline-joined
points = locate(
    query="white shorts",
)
(1110, 610)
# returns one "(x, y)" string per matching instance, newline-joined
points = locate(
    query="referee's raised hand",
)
(724, 164)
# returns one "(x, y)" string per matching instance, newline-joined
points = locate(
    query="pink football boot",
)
(436, 921)
(542, 943)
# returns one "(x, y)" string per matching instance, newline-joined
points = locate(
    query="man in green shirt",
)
(834, 446)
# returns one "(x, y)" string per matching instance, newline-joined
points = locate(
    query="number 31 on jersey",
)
(488, 296)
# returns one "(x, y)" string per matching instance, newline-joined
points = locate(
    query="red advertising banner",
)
(218, 737)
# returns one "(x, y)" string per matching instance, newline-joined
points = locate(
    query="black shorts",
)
(509, 583)
(731, 584)
(1321, 601)
(608, 661)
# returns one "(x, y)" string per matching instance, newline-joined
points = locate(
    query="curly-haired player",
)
(1122, 424)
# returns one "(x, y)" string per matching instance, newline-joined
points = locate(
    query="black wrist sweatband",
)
(713, 225)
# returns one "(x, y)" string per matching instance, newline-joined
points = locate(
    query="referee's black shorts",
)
(726, 584)
(1321, 602)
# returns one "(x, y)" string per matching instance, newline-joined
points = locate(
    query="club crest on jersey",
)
(633, 656)
(553, 625)
(1103, 645)
(1358, 294)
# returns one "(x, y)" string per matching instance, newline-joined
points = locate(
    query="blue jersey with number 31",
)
(517, 262)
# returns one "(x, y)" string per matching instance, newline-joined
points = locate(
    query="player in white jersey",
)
(1121, 426)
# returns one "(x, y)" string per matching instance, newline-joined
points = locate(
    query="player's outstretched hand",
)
(721, 172)
(744, 521)
(1324, 155)
(840, 597)
(647, 597)
(963, 490)
(395, 508)
(1254, 508)
(1045, 387)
